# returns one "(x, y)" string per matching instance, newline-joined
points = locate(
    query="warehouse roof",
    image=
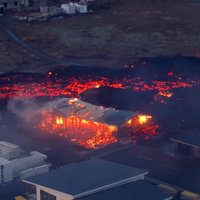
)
(140, 190)
(188, 138)
(78, 178)
(87, 111)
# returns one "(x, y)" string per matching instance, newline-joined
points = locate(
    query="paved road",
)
(50, 59)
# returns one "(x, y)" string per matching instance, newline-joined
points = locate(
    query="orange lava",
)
(73, 87)
(86, 133)
(166, 94)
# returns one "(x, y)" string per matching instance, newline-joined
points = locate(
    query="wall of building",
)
(10, 4)
(57, 194)
(5, 171)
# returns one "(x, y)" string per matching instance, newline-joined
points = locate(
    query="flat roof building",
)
(139, 190)
(13, 164)
(85, 178)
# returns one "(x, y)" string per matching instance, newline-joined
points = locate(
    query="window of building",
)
(15, 3)
(5, 4)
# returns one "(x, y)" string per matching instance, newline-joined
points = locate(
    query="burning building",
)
(94, 126)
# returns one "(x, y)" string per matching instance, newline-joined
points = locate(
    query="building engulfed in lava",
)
(94, 126)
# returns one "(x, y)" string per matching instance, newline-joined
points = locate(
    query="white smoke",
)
(28, 109)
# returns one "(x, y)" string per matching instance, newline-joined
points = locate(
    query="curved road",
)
(11, 35)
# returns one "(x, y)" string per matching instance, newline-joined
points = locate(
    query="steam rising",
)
(28, 109)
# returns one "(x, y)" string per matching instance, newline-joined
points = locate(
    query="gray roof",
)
(77, 178)
(139, 190)
(188, 138)
(68, 106)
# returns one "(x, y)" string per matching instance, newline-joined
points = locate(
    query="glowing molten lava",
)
(165, 94)
(52, 86)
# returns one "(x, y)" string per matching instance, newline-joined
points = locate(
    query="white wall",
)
(68, 8)
(5, 171)
(24, 167)
(35, 159)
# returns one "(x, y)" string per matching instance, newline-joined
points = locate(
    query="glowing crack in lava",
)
(93, 126)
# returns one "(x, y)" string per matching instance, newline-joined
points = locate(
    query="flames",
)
(83, 132)
(90, 134)
(142, 119)
(166, 94)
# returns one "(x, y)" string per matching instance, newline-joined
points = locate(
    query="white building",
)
(9, 151)
(81, 8)
(35, 159)
(23, 167)
(72, 8)
(5, 171)
(69, 8)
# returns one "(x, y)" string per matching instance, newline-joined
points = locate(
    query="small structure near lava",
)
(94, 126)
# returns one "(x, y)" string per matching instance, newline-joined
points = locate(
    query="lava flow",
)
(73, 87)
(80, 130)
